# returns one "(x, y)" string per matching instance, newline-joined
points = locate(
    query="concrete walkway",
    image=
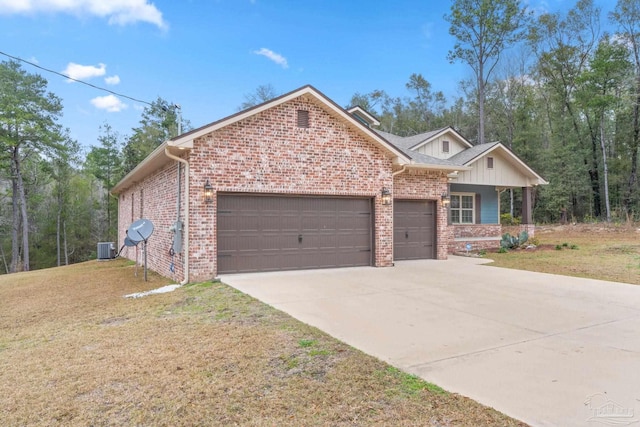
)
(548, 350)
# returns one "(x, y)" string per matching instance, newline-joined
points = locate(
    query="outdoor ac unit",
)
(106, 250)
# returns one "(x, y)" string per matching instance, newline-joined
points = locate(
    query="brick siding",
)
(426, 185)
(264, 153)
(268, 153)
(158, 204)
(480, 236)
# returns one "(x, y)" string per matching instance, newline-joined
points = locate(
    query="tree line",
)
(56, 203)
(561, 93)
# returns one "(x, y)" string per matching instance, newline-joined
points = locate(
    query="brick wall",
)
(426, 185)
(265, 153)
(269, 153)
(480, 236)
(156, 202)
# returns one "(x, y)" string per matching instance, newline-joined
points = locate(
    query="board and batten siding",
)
(434, 148)
(504, 172)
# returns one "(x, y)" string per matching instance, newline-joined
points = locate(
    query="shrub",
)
(511, 242)
(534, 241)
(507, 219)
(558, 247)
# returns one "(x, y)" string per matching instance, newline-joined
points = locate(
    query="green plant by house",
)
(507, 219)
(511, 242)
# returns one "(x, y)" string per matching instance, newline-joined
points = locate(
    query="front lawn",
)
(597, 251)
(74, 352)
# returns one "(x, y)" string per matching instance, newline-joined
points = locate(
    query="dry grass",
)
(74, 352)
(598, 251)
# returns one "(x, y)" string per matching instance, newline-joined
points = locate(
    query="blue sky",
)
(207, 54)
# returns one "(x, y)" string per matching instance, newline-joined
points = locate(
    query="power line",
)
(75, 80)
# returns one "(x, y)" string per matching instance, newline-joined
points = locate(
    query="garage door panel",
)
(261, 233)
(414, 229)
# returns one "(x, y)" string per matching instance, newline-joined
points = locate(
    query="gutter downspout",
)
(404, 167)
(186, 213)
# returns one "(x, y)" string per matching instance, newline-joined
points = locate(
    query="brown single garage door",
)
(414, 229)
(263, 233)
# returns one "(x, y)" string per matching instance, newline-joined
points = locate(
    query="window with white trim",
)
(445, 146)
(462, 208)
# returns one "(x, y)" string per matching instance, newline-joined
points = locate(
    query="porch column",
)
(527, 217)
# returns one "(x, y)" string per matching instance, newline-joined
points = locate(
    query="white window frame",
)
(460, 209)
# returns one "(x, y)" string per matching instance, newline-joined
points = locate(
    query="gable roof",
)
(405, 143)
(477, 152)
(186, 140)
(398, 148)
(414, 142)
(466, 156)
(177, 145)
(464, 159)
(363, 115)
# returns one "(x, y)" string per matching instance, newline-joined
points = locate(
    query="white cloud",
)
(119, 12)
(112, 80)
(80, 72)
(111, 103)
(275, 57)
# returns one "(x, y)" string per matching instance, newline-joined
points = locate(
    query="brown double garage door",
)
(268, 232)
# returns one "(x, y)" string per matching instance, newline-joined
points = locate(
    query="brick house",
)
(299, 182)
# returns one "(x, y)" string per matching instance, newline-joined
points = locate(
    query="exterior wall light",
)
(446, 199)
(386, 196)
(208, 192)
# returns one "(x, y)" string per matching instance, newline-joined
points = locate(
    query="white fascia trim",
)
(452, 168)
(155, 154)
(187, 140)
(541, 181)
(439, 134)
(373, 120)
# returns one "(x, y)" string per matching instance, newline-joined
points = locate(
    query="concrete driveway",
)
(548, 350)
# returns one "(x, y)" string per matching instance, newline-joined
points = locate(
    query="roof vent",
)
(303, 118)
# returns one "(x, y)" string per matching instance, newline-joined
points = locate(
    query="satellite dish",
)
(140, 231)
(129, 242)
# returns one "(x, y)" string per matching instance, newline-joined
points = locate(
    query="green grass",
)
(411, 384)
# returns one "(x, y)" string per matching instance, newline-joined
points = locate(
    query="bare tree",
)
(263, 93)
(484, 29)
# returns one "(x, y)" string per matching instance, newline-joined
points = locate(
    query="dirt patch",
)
(74, 352)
